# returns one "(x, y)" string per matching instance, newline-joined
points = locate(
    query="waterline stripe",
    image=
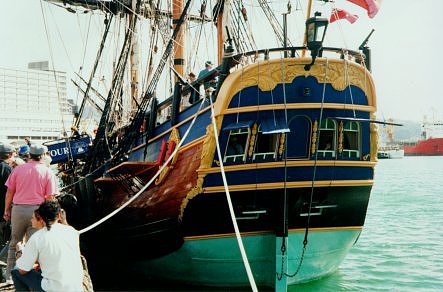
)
(255, 233)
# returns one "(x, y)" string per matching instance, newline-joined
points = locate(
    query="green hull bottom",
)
(217, 261)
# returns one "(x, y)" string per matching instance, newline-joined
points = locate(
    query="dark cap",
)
(6, 148)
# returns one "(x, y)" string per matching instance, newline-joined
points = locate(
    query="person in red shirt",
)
(29, 185)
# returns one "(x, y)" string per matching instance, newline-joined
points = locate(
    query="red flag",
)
(337, 14)
(371, 6)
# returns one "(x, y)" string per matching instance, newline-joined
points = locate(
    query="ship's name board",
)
(59, 151)
(62, 150)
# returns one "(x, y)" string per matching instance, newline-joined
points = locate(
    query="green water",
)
(401, 246)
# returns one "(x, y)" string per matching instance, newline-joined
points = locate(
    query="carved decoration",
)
(268, 74)
(340, 137)
(314, 137)
(281, 148)
(374, 139)
(271, 75)
(197, 189)
(206, 159)
(209, 146)
(252, 140)
(175, 137)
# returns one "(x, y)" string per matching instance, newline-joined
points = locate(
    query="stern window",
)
(235, 150)
(351, 138)
(266, 146)
(327, 144)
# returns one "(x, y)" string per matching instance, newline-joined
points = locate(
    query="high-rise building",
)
(33, 103)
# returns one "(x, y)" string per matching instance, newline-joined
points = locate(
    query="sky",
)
(406, 65)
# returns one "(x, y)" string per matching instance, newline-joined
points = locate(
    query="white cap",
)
(36, 149)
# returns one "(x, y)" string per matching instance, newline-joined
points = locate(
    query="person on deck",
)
(208, 67)
(55, 246)
(209, 85)
(75, 134)
(6, 151)
(194, 95)
(29, 185)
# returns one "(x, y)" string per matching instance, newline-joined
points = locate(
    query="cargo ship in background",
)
(431, 143)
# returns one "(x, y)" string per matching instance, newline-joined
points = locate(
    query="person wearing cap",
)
(29, 185)
(6, 152)
(194, 93)
(208, 84)
(23, 153)
(20, 156)
(208, 67)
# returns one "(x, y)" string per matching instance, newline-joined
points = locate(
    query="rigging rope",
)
(305, 240)
(60, 103)
(145, 101)
(348, 83)
(231, 208)
(94, 69)
(86, 229)
(101, 139)
(285, 190)
(273, 21)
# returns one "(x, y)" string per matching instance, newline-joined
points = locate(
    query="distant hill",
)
(409, 132)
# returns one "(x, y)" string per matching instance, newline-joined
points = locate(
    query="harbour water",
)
(401, 246)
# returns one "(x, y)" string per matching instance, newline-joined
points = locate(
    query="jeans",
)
(31, 281)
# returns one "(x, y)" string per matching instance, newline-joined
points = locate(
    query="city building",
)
(34, 104)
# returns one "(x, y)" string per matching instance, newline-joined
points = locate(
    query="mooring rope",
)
(86, 229)
(231, 209)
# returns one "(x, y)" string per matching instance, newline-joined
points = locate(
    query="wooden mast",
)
(134, 67)
(220, 39)
(308, 15)
(179, 61)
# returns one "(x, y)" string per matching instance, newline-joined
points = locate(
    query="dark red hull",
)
(429, 147)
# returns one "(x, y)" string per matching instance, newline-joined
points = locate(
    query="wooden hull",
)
(283, 186)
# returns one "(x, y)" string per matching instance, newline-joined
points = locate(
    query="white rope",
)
(57, 85)
(150, 182)
(348, 82)
(231, 209)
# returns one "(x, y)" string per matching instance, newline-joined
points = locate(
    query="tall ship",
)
(431, 143)
(257, 173)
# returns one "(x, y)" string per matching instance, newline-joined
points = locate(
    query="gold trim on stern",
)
(289, 106)
(290, 185)
(289, 163)
(268, 74)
